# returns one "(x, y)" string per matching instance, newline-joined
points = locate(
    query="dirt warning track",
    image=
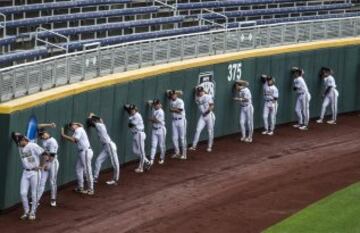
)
(236, 188)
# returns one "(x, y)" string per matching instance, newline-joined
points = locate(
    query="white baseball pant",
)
(108, 150)
(30, 179)
(51, 173)
(209, 122)
(332, 99)
(158, 137)
(302, 108)
(247, 120)
(139, 148)
(179, 131)
(83, 167)
(270, 110)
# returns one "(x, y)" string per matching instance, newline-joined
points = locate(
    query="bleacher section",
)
(117, 21)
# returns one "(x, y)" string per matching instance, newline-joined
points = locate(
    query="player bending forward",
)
(271, 95)
(303, 97)
(51, 163)
(246, 110)
(330, 95)
(108, 149)
(136, 125)
(178, 123)
(85, 155)
(30, 154)
(158, 136)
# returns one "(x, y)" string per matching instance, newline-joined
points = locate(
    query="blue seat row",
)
(80, 16)
(78, 45)
(229, 3)
(284, 10)
(57, 5)
(7, 40)
(112, 26)
(22, 55)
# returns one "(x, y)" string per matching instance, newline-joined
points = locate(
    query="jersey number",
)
(234, 72)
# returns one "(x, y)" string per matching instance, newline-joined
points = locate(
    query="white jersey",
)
(300, 85)
(271, 93)
(204, 102)
(179, 104)
(102, 133)
(160, 116)
(137, 122)
(82, 140)
(30, 156)
(50, 145)
(246, 97)
(329, 81)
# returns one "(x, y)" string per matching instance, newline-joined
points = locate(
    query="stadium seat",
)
(7, 40)
(80, 16)
(23, 55)
(57, 5)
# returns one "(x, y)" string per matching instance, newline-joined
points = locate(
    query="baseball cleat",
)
(24, 217)
(296, 126)
(90, 192)
(304, 127)
(111, 182)
(243, 139)
(319, 121)
(192, 148)
(265, 132)
(139, 170)
(151, 162)
(183, 157)
(248, 140)
(174, 156)
(331, 122)
(208, 149)
(53, 203)
(270, 133)
(32, 217)
(79, 190)
(161, 161)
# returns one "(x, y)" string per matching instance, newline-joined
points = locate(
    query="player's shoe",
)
(32, 217)
(208, 149)
(296, 126)
(319, 121)
(243, 139)
(139, 170)
(270, 133)
(79, 190)
(331, 122)
(111, 182)
(161, 161)
(304, 127)
(248, 140)
(24, 217)
(53, 203)
(148, 165)
(175, 156)
(183, 157)
(192, 148)
(265, 132)
(90, 192)
(151, 162)
(95, 180)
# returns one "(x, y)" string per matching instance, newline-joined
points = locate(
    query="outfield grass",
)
(337, 213)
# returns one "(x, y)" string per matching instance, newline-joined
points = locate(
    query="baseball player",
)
(158, 131)
(136, 125)
(85, 155)
(330, 95)
(205, 103)
(302, 100)
(178, 123)
(109, 149)
(244, 97)
(51, 164)
(30, 154)
(271, 95)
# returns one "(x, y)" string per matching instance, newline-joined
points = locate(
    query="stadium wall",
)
(107, 95)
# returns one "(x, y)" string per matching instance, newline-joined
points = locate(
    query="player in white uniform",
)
(178, 123)
(158, 136)
(271, 95)
(30, 158)
(136, 125)
(302, 107)
(85, 155)
(205, 104)
(109, 149)
(51, 166)
(244, 97)
(330, 95)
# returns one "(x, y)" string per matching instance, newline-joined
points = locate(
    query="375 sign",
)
(234, 72)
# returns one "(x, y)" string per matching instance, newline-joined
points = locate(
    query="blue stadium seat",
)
(230, 3)
(7, 40)
(80, 16)
(110, 26)
(284, 10)
(57, 5)
(78, 45)
(22, 55)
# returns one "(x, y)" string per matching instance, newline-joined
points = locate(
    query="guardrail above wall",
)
(48, 73)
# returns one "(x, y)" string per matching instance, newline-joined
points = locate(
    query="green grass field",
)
(337, 213)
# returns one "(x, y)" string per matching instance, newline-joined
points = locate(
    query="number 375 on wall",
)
(234, 71)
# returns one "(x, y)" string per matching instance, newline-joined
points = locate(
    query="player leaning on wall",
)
(271, 95)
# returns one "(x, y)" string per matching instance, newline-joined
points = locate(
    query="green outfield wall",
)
(108, 100)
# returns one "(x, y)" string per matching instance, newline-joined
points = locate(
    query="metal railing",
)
(69, 68)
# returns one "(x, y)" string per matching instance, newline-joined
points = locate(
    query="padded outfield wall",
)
(107, 95)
